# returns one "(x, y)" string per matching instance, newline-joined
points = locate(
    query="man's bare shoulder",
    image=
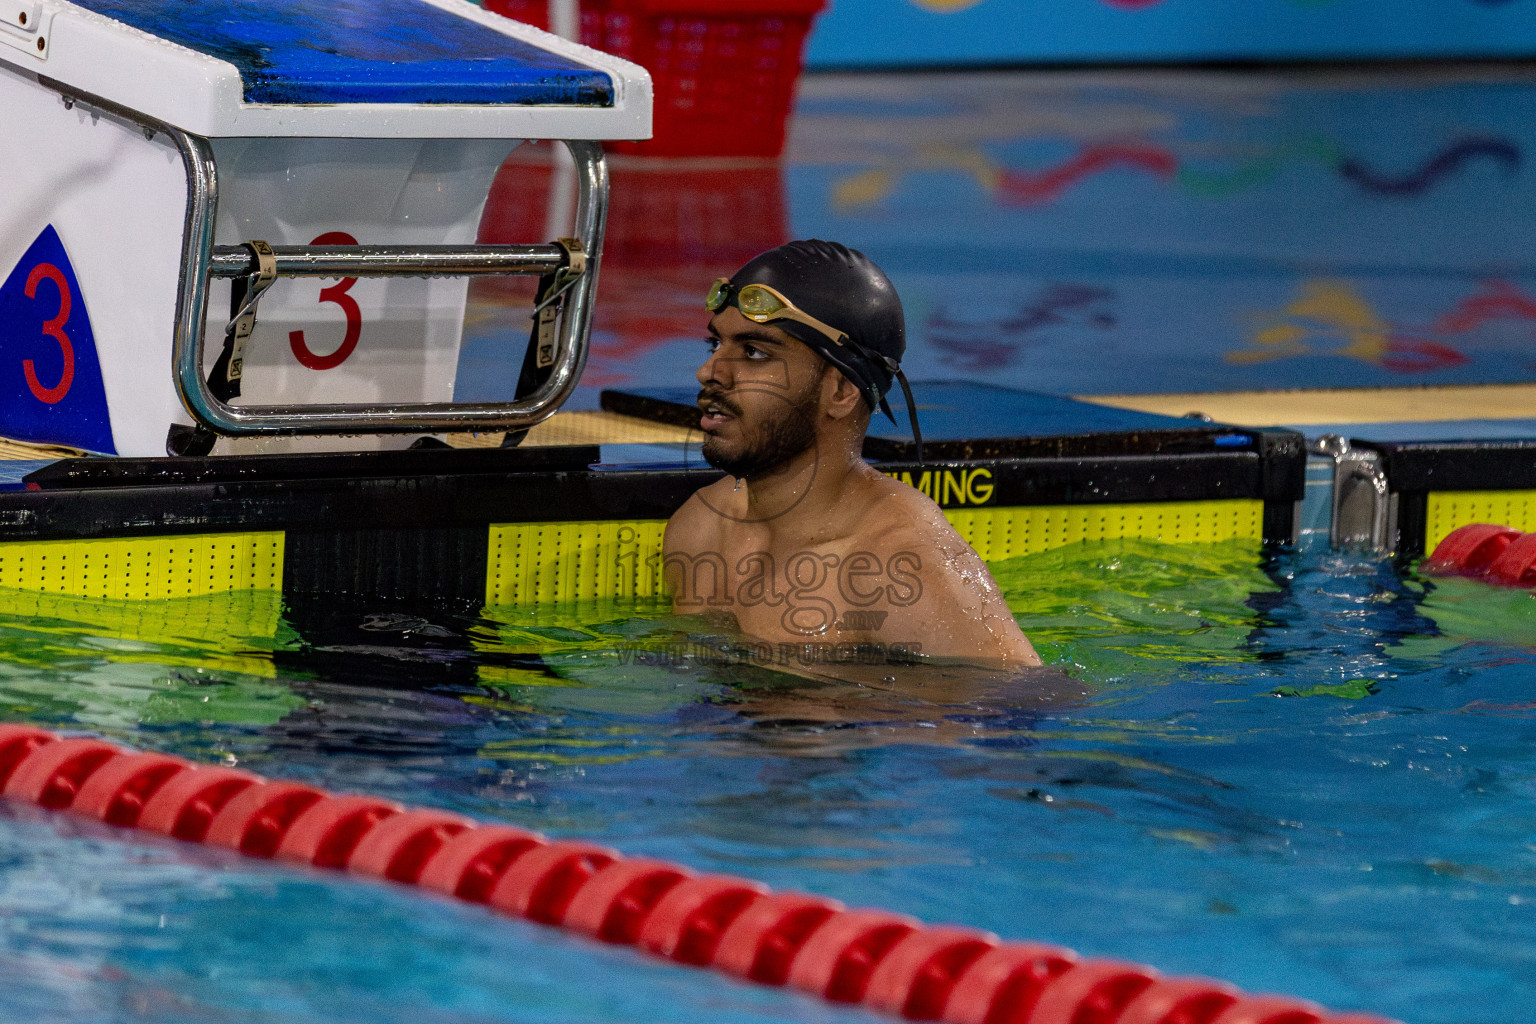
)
(697, 523)
(957, 608)
(904, 515)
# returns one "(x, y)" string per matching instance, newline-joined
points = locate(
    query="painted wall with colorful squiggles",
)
(874, 33)
(1123, 231)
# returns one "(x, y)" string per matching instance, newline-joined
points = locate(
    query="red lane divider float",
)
(887, 962)
(1498, 554)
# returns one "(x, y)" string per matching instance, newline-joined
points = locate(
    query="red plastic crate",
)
(724, 70)
(530, 12)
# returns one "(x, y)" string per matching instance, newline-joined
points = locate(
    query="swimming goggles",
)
(761, 304)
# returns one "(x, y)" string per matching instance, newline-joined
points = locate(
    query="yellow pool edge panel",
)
(1001, 533)
(145, 568)
(551, 563)
(1447, 510)
(558, 562)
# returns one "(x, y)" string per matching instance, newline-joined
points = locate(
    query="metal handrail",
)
(377, 418)
(393, 260)
(201, 260)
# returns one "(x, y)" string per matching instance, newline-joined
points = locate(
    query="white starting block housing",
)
(143, 142)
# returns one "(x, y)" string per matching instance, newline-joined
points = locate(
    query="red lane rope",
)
(888, 962)
(1501, 555)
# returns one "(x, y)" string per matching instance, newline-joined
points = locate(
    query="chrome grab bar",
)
(394, 260)
(202, 260)
(380, 418)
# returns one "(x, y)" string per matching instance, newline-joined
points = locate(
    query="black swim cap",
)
(843, 289)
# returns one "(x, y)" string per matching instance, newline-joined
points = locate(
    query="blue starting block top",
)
(967, 411)
(363, 51)
(966, 421)
(960, 410)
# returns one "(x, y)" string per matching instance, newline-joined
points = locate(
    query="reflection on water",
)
(1138, 605)
(1160, 797)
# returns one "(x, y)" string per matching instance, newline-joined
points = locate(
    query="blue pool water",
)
(1368, 842)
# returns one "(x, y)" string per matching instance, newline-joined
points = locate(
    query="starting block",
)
(249, 222)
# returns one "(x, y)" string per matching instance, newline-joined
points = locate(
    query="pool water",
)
(1309, 773)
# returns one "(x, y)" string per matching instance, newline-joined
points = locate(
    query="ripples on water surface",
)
(1311, 774)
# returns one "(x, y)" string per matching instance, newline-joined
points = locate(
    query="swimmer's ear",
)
(839, 397)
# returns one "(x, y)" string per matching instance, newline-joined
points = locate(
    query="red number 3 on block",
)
(336, 293)
(54, 329)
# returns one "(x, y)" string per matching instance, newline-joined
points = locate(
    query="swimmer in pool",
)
(802, 541)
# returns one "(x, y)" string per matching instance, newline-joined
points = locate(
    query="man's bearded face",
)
(760, 397)
(772, 429)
